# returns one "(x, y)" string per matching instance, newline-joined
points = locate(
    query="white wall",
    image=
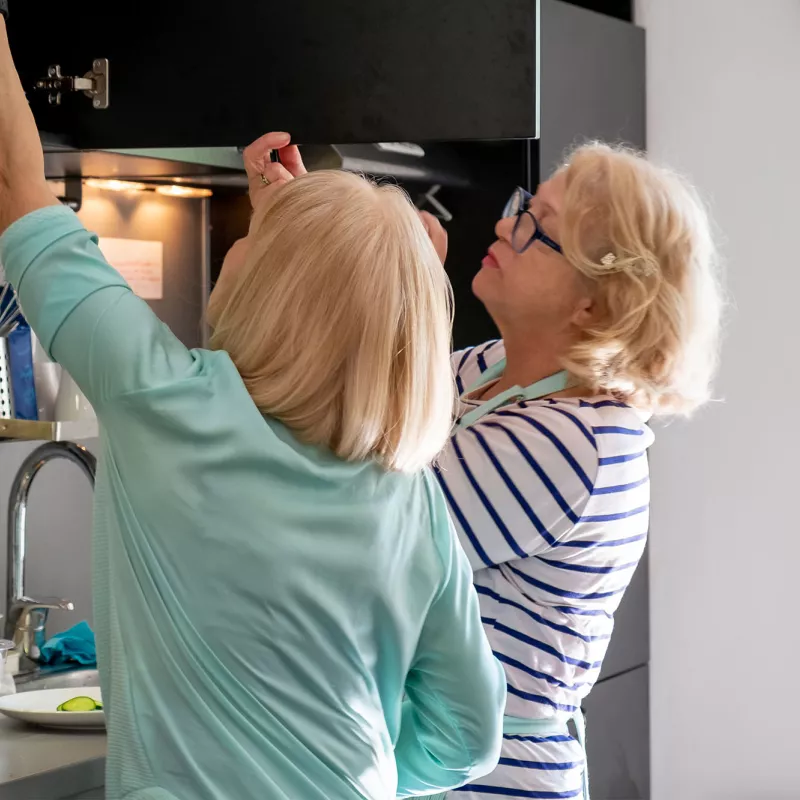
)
(724, 106)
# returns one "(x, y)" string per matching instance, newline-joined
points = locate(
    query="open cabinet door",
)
(196, 74)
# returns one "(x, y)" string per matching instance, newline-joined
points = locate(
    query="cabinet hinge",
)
(93, 84)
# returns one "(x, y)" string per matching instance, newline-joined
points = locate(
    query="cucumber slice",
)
(80, 704)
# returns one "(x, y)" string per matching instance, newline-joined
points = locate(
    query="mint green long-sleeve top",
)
(262, 607)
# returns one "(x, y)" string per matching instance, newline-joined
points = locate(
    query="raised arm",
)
(23, 187)
(80, 308)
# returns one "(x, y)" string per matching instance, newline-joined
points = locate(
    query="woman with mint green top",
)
(283, 609)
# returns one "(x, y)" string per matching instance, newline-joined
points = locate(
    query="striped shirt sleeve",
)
(517, 481)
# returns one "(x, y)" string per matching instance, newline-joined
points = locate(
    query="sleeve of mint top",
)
(452, 723)
(82, 310)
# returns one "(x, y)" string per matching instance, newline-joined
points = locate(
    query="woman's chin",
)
(483, 281)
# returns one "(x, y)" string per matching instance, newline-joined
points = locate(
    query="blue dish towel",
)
(76, 644)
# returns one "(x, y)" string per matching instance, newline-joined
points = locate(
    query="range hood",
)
(431, 164)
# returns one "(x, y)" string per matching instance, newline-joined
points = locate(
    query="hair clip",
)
(608, 259)
(647, 270)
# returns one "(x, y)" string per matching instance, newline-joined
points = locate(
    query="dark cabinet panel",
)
(618, 737)
(630, 644)
(211, 74)
(592, 83)
(621, 9)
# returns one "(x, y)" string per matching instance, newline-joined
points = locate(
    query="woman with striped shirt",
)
(604, 289)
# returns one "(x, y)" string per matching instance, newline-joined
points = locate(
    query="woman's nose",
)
(504, 228)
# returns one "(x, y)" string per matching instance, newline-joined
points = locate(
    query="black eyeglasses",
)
(526, 228)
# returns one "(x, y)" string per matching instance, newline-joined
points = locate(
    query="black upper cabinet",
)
(621, 9)
(195, 74)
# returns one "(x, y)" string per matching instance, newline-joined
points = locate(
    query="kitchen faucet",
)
(26, 617)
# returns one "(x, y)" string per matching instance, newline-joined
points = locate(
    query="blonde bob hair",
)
(339, 321)
(640, 234)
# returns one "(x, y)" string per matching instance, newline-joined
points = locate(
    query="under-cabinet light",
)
(173, 190)
(116, 186)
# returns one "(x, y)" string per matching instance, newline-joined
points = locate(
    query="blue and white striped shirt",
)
(551, 500)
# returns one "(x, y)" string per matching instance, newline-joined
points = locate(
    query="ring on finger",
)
(265, 180)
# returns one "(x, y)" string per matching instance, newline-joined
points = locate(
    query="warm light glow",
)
(171, 190)
(183, 191)
(116, 186)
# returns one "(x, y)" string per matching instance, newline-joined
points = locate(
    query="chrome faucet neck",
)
(17, 517)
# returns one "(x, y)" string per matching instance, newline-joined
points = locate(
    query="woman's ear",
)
(584, 314)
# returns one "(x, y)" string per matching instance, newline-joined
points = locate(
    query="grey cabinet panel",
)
(592, 81)
(618, 737)
(630, 644)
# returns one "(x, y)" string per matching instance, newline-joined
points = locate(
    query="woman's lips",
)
(490, 261)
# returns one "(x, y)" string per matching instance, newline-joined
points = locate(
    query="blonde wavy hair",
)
(339, 321)
(641, 236)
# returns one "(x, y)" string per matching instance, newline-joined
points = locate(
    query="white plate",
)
(39, 708)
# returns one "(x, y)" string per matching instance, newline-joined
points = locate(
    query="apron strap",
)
(525, 726)
(491, 374)
(549, 385)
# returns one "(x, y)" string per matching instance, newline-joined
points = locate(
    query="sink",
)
(74, 678)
